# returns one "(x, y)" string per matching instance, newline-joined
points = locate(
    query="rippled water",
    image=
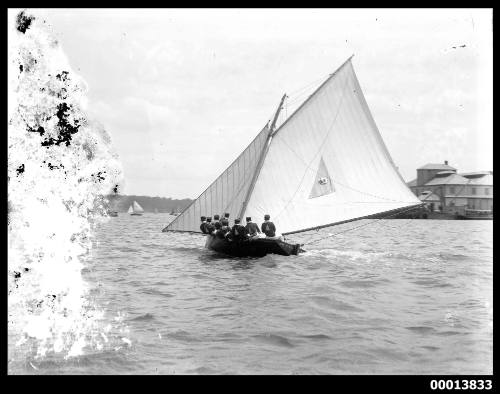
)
(393, 297)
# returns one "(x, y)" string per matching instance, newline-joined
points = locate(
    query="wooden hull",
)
(136, 214)
(257, 247)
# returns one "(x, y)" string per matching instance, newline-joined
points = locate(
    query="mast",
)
(272, 133)
(261, 158)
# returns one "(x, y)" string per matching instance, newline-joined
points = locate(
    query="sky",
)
(183, 91)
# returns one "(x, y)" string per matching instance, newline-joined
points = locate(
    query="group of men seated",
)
(220, 228)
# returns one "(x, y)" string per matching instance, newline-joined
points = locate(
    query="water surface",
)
(393, 297)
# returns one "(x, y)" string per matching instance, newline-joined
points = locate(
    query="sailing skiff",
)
(135, 209)
(326, 164)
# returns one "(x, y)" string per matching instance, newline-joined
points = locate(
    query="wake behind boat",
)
(325, 165)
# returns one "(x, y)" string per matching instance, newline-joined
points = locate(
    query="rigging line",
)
(298, 97)
(297, 100)
(320, 147)
(309, 84)
(363, 225)
(376, 220)
(306, 89)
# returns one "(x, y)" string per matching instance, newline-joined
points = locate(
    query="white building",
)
(443, 189)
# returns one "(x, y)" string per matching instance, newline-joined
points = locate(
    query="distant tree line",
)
(121, 203)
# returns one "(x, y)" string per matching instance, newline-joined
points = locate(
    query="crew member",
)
(252, 228)
(216, 219)
(203, 225)
(226, 216)
(210, 226)
(219, 233)
(268, 227)
(238, 231)
(226, 230)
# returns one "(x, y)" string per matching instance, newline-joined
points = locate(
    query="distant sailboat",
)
(135, 209)
(325, 165)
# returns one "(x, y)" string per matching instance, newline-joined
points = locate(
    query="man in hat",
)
(203, 225)
(252, 228)
(268, 227)
(216, 219)
(225, 229)
(218, 230)
(226, 216)
(238, 232)
(210, 226)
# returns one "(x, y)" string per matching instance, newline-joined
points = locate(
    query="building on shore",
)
(468, 195)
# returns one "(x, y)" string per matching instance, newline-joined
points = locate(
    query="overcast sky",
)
(182, 92)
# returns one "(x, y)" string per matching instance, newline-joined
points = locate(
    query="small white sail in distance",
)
(326, 164)
(130, 209)
(137, 207)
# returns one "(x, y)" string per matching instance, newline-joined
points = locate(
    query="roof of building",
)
(476, 174)
(451, 179)
(458, 179)
(442, 173)
(485, 180)
(439, 166)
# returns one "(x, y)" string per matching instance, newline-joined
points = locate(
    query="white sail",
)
(327, 163)
(137, 207)
(130, 209)
(227, 192)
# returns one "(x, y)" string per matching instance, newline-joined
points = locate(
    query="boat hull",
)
(257, 247)
(136, 214)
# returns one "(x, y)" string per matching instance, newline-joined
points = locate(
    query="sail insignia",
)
(322, 183)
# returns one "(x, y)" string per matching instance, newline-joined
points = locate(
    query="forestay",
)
(327, 163)
(227, 192)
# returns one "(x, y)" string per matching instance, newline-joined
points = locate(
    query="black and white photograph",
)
(251, 191)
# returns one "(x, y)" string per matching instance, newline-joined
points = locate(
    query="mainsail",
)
(326, 164)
